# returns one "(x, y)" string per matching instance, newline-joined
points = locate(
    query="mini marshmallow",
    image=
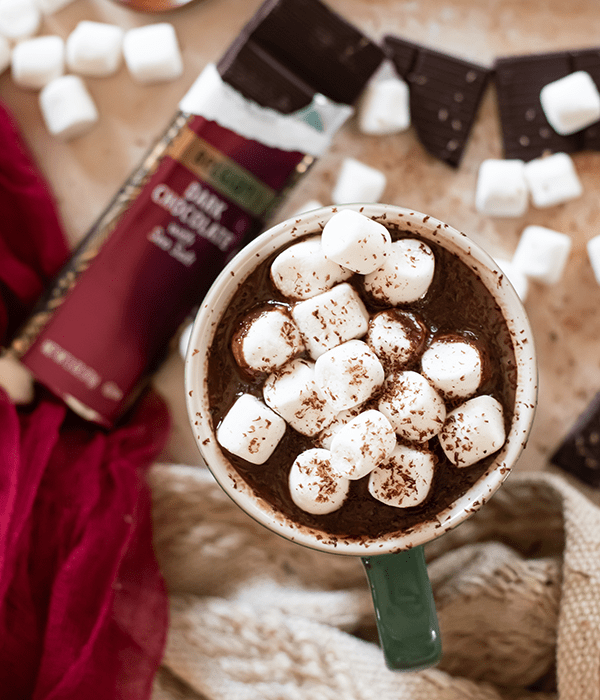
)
(593, 250)
(292, 392)
(267, 340)
(325, 437)
(552, 180)
(362, 444)
(16, 380)
(454, 366)
(515, 276)
(250, 430)
(473, 430)
(384, 107)
(396, 337)
(67, 107)
(355, 241)
(348, 374)
(313, 486)
(302, 270)
(571, 103)
(95, 48)
(542, 254)
(331, 318)
(405, 275)
(413, 407)
(5, 53)
(405, 479)
(152, 53)
(19, 19)
(49, 7)
(35, 62)
(358, 182)
(501, 188)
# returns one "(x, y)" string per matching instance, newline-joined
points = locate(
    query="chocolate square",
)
(445, 94)
(579, 452)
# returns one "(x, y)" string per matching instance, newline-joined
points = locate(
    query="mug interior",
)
(217, 301)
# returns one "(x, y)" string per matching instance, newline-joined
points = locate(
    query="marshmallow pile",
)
(57, 67)
(371, 390)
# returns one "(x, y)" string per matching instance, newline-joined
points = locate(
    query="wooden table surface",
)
(86, 172)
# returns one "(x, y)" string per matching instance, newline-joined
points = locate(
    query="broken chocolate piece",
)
(319, 48)
(579, 452)
(445, 93)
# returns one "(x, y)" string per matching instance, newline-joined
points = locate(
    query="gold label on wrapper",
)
(222, 173)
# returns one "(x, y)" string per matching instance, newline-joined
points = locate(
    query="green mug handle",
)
(405, 610)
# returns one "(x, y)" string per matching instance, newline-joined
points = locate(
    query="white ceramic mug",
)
(394, 563)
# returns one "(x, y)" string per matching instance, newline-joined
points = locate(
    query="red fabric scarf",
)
(83, 606)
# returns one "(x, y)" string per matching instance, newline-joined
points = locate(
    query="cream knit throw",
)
(254, 617)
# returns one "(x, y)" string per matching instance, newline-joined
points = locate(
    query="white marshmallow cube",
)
(414, 408)
(250, 430)
(35, 62)
(355, 241)
(5, 53)
(302, 270)
(348, 374)
(49, 7)
(362, 444)
(95, 48)
(501, 188)
(19, 19)
(331, 318)
(542, 254)
(454, 366)
(593, 250)
(395, 337)
(152, 53)
(571, 103)
(516, 277)
(267, 340)
(358, 182)
(405, 479)
(313, 486)
(405, 275)
(473, 430)
(67, 107)
(384, 107)
(293, 393)
(325, 437)
(552, 180)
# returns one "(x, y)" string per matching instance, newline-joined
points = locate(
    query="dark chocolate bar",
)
(318, 47)
(579, 452)
(445, 93)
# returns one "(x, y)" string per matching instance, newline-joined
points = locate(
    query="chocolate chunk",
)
(579, 453)
(526, 132)
(293, 47)
(445, 93)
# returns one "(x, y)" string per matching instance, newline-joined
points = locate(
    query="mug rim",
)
(219, 296)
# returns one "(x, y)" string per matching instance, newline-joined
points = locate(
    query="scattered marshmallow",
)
(396, 337)
(355, 241)
(571, 103)
(454, 366)
(384, 107)
(413, 407)
(313, 486)
(516, 277)
(302, 270)
(251, 430)
(16, 380)
(267, 340)
(331, 318)
(358, 182)
(152, 53)
(19, 19)
(593, 250)
(473, 430)
(542, 254)
(67, 107)
(293, 393)
(362, 444)
(405, 479)
(405, 275)
(501, 188)
(37, 61)
(95, 48)
(552, 180)
(49, 7)
(348, 374)
(5, 53)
